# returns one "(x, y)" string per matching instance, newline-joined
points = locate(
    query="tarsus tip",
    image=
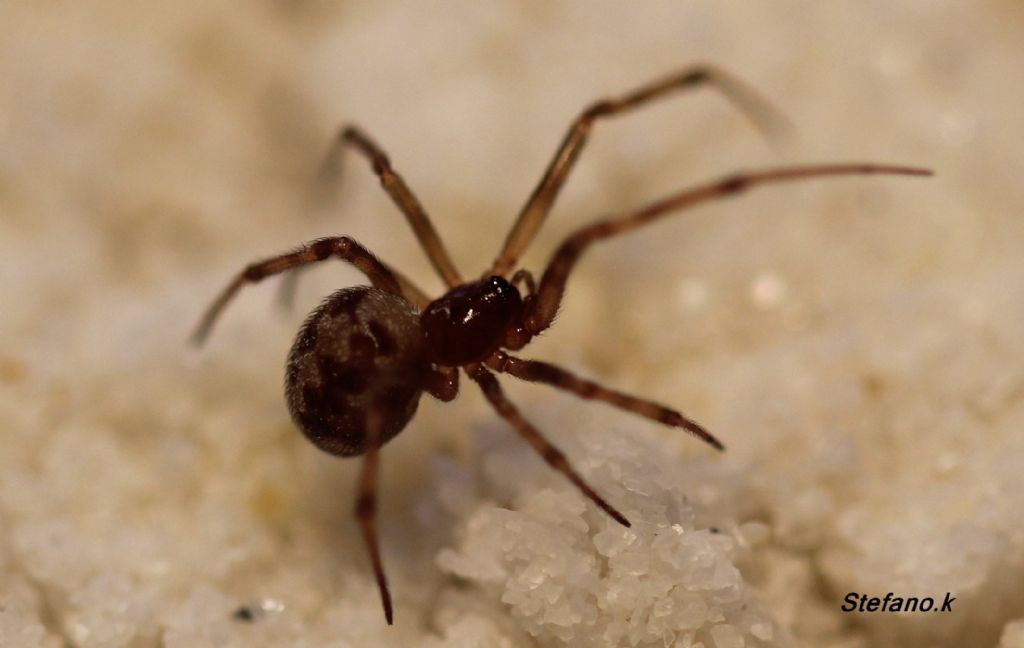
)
(385, 599)
(610, 510)
(702, 434)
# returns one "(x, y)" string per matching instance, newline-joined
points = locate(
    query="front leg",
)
(541, 312)
(536, 209)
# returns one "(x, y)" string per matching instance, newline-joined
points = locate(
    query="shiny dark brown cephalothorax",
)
(361, 348)
(470, 322)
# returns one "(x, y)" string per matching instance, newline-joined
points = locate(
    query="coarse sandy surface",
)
(855, 342)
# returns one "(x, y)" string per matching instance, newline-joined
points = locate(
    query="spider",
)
(363, 358)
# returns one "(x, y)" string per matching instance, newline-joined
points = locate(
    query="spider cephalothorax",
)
(469, 322)
(364, 357)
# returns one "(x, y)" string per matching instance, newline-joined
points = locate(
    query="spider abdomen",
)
(361, 348)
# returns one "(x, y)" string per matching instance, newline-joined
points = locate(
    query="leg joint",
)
(698, 74)
(554, 456)
(325, 247)
(253, 272)
(598, 109)
(733, 184)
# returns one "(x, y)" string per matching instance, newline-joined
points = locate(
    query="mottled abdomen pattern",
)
(361, 348)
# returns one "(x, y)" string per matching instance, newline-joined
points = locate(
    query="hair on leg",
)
(758, 109)
(549, 374)
(541, 311)
(341, 247)
(395, 186)
(552, 455)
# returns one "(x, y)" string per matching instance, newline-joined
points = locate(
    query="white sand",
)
(856, 343)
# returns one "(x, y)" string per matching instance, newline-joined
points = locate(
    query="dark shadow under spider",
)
(365, 355)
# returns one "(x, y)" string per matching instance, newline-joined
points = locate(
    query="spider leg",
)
(549, 374)
(289, 284)
(552, 455)
(766, 117)
(442, 383)
(525, 276)
(366, 506)
(342, 247)
(401, 195)
(541, 311)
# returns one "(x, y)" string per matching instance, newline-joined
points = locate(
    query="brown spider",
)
(365, 355)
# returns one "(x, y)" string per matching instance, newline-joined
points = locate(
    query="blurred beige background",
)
(856, 342)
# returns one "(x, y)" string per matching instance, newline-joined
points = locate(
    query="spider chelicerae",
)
(363, 358)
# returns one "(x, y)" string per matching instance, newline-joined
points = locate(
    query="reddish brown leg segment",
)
(532, 216)
(442, 383)
(552, 455)
(549, 374)
(552, 284)
(366, 507)
(400, 193)
(289, 285)
(524, 276)
(336, 246)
